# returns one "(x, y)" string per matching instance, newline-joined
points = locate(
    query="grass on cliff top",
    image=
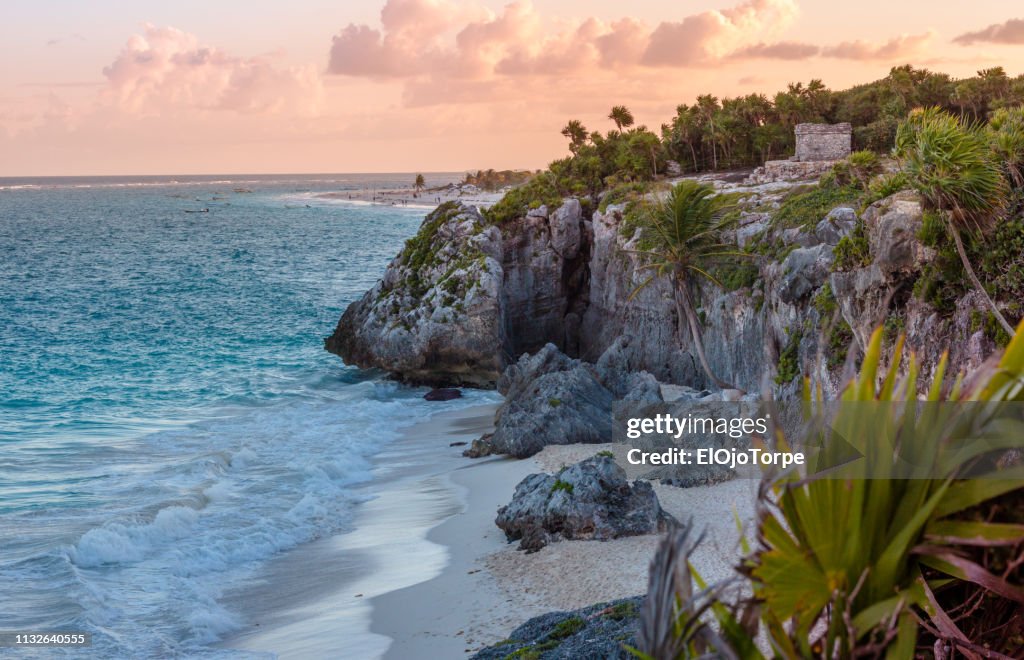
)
(805, 207)
(419, 250)
(541, 190)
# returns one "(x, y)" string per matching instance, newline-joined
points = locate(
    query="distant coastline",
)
(428, 198)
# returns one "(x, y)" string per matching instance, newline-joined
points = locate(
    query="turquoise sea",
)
(169, 420)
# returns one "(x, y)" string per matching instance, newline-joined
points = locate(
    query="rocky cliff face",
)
(545, 266)
(465, 299)
(646, 322)
(880, 291)
(436, 316)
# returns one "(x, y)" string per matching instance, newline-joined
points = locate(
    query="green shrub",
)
(741, 274)
(857, 170)
(567, 628)
(622, 193)
(789, 360)
(561, 485)
(987, 322)
(885, 185)
(839, 334)
(804, 207)
(837, 343)
(1000, 260)
(825, 302)
(540, 190)
(853, 250)
(627, 610)
(634, 217)
(531, 652)
(942, 280)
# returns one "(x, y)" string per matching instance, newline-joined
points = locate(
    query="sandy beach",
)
(428, 198)
(425, 573)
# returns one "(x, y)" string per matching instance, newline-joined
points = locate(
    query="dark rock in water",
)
(479, 448)
(598, 631)
(442, 394)
(590, 500)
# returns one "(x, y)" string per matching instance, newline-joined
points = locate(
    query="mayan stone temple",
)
(818, 147)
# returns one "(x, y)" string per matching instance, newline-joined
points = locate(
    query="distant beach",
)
(427, 198)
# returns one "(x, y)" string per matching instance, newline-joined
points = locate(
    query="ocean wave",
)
(232, 493)
(120, 543)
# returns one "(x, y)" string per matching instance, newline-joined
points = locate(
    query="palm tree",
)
(577, 134)
(420, 182)
(1006, 134)
(707, 108)
(622, 117)
(951, 165)
(682, 236)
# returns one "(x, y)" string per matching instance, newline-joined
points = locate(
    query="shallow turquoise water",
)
(168, 416)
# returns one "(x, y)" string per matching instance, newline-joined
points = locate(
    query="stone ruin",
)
(821, 142)
(818, 147)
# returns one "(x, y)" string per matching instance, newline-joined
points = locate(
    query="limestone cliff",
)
(436, 315)
(466, 298)
(544, 291)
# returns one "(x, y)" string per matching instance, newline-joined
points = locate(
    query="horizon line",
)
(243, 174)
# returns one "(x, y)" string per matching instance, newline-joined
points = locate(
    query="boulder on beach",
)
(552, 399)
(480, 447)
(592, 499)
(602, 631)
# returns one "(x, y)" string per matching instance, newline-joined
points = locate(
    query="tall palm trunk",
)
(974, 278)
(684, 307)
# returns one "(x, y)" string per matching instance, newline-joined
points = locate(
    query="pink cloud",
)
(1010, 32)
(445, 52)
(166, 68)
(899, 47)
(434, 39)
(623, 44)
(408, 43)
(434, 45)
(714, 34)
(782, 50)
(562, 54)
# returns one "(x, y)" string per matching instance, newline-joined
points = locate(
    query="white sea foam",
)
(121, 543)
(258, 484)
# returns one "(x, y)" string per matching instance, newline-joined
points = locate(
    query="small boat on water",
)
(197, 210)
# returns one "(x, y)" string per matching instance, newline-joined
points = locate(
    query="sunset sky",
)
(233, 86)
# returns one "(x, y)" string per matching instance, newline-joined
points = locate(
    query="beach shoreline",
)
(425, 572)
(411, 198)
